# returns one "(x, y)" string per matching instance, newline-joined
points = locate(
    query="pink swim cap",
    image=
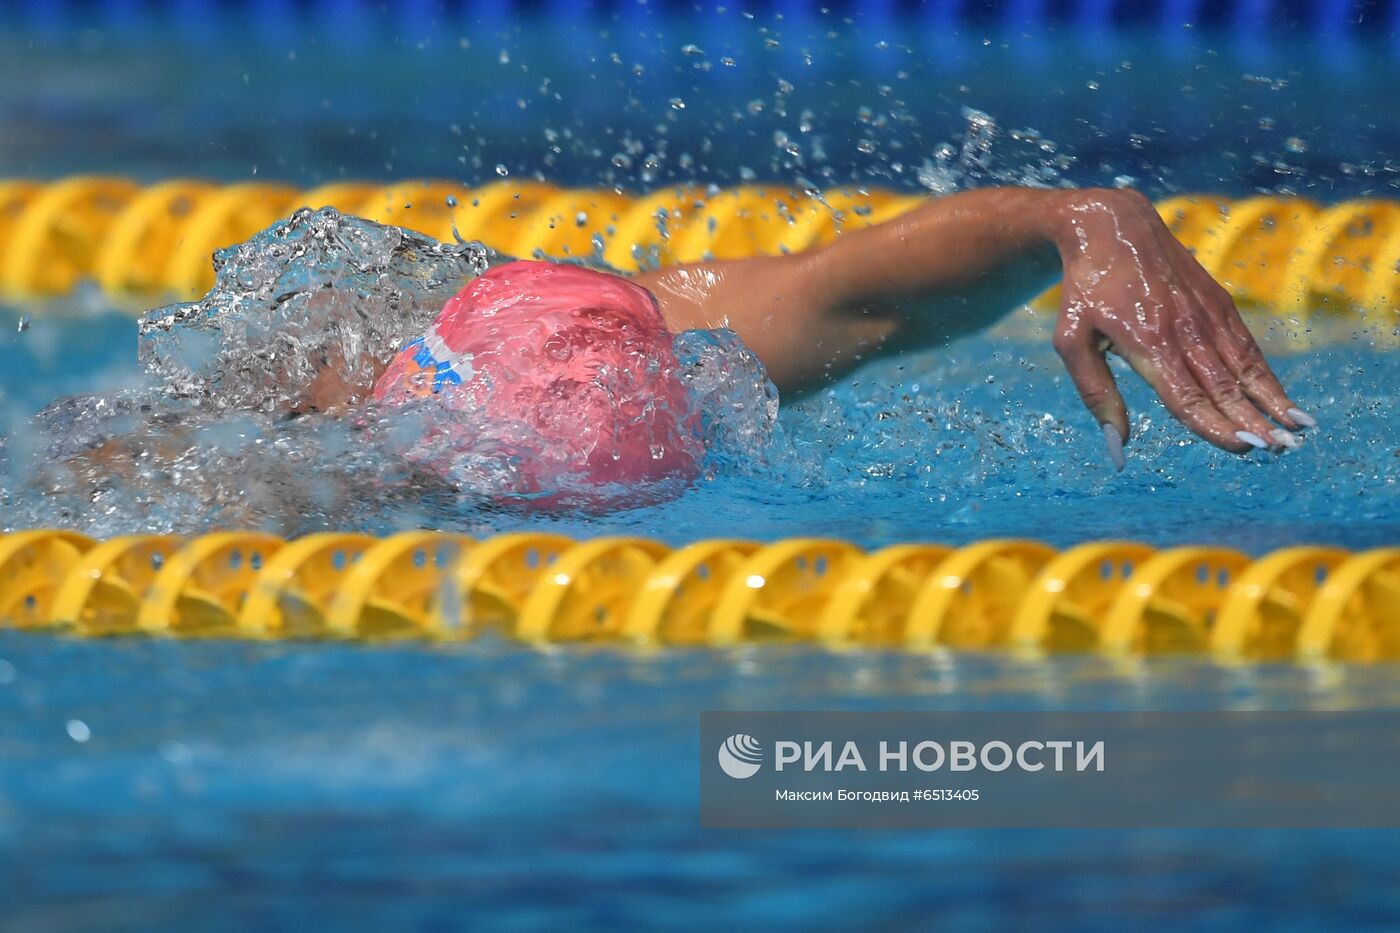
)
(574, 367)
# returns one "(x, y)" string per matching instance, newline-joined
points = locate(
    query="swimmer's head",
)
(336, 386)
(574, 368)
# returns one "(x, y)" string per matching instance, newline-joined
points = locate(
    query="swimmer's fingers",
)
(1092, 378)
(1199, 339)
(1244, 357)
(1237, 346)
(1169, 375)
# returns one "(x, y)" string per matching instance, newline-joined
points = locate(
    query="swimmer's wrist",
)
(1056, 224)
(1063, 214)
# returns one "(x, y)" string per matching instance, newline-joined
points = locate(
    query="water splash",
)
(230, 428)
(319, 291)
(986, 154)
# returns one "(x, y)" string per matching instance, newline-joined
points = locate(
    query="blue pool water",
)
(293, 787)
(149, 785)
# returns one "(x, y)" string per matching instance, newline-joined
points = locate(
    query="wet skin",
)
(959, 263)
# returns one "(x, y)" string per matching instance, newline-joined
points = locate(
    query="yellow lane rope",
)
(1114, 598)
(146, 244)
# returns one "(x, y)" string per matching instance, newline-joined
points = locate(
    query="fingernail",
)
(1114, 442)
(1252, 439)
(1302, 417)
(1286, 438)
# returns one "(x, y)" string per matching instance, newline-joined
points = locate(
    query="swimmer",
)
(946, 269)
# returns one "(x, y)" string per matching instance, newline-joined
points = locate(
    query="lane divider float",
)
(1121, 599)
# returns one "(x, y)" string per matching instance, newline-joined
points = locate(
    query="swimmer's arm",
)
(946, 269)
(958, 263)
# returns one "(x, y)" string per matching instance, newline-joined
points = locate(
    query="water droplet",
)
(78, 731)
(502, 170)
(677, 103)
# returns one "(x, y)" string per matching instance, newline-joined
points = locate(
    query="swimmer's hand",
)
(1132, 289)
(956, 264)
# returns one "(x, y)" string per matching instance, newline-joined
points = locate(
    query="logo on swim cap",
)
(430, 354)
(740, 756)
